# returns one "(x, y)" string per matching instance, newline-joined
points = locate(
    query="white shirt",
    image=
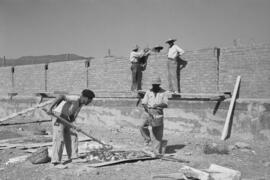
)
(174, 50)
(134, 56)
(150, 99)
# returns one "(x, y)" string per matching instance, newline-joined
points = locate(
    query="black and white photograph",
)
(134, 90)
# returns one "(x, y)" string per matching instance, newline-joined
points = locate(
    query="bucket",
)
(40, 156)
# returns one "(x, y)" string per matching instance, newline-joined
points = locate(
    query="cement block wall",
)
(250, 120)
(204, 73)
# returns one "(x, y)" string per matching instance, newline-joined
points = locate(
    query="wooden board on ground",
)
(228, 123)
(7, 145)
(108, 163)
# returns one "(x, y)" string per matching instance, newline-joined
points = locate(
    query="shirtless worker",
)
(68, 108)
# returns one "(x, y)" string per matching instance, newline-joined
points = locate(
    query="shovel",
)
(68, 124)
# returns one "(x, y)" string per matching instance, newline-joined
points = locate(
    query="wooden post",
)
(87, 64)
(227, 127)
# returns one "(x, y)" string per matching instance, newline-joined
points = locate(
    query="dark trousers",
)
(136, 71)
(157, 132)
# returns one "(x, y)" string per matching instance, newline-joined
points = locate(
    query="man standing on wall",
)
(154, 101)
(136, 67)
(68, 108)
(173, 64)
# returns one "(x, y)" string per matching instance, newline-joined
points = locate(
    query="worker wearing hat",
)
(136, 67)
(173, 64)
(154, 101)
(68, 108)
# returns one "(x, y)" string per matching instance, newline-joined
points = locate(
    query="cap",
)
(88, 93)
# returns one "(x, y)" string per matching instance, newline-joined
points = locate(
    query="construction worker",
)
(137, 67)
(68, 108)
(154, 101)
(174, 64)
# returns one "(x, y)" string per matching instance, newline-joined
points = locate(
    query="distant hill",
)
(25, 60)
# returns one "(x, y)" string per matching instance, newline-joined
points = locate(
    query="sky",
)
(91, 27)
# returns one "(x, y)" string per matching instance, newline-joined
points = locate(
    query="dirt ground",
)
(253, 163)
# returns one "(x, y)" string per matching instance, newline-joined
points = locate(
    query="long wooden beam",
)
(26, 110)
(227, 126)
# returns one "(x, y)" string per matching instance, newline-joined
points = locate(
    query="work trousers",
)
(63, 135)
(136, 70)
(157, 132)
(174, 74)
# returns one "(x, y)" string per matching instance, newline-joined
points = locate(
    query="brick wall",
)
(253, 64)
(67, 76)
(202, 74)
(5, 80)
(29, 79)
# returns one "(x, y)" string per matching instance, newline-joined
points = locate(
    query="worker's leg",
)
(139, 77)
(71, 143)
(178, 87)
(134, 77)
(158, 135)
(145, 131)
(58, 142)
(172, 77)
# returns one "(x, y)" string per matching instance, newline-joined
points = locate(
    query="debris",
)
(242, 145)
(222, 173)
(118, 169)
(190, 172)
(266, 164)
(188, 153)
(214, 148)
(21, 129)
(115, 155)
(178, 175)
(17, 159)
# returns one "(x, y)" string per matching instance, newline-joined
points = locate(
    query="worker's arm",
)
(145, 101)
(138, 54)
(179, 50)
(56, 102)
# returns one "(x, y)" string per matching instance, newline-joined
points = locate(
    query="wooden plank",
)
(6, 145)
(121, 161)
(227, 127)
(25, 111)
(176, 176)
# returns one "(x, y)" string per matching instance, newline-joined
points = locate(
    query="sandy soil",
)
(252, 163)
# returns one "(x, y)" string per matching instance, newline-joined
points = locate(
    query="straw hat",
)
(170, 40)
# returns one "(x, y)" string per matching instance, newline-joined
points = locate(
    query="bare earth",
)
(254, 163)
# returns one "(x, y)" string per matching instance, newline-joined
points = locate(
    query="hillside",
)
(25, 60)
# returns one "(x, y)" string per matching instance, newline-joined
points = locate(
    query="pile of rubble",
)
(105, 156)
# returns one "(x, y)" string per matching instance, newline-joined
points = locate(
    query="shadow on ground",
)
(170, 149)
